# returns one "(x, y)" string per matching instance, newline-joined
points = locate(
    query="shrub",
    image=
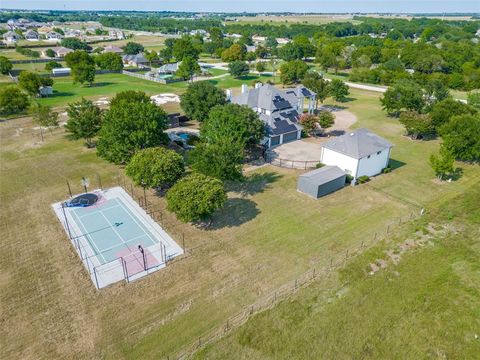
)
(363, 179)
(196, 197)
(52, 65)
(155, 167)
(12, 101)
(349, 179)
(386, 170)
(192, 140)
(319, 165)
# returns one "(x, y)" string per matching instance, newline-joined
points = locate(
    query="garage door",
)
(274, 140)
(289, 136)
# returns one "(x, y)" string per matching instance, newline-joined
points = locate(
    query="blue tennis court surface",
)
(115, 238)
(111, 229)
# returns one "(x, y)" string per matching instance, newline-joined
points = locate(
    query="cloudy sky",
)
(409, 6)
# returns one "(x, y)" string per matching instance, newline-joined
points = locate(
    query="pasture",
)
(312, 19)
(428, 299)
(267, 234)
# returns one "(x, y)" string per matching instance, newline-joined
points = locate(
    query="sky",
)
(320, 6)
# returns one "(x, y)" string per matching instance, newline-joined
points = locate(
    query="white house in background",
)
(257, 39)
(116, 34)
(53, 36)
(282, 41)
(358, 153)
(11, 37)
(73, 33)
(31, 35)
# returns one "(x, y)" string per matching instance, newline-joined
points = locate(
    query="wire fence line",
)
(314, 274)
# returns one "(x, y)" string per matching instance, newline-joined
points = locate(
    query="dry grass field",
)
(296, 19)
(267, 235)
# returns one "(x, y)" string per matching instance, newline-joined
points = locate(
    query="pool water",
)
(184, 136)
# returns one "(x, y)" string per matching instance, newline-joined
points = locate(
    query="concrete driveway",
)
(305, 153)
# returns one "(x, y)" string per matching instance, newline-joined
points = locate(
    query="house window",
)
(379, 152)
(368, 157)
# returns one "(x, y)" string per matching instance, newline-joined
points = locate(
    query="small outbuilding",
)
(323, 181)
(358, 153)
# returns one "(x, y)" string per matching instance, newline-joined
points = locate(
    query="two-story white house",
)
(358, 153)
(278, 109)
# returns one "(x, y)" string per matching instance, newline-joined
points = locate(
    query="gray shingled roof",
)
(324, 174)
(358, 144)
(138, 58)
(283, 117)
(169, 68)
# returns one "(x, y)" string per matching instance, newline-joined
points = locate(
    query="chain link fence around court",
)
(136, 263)
(314, 274)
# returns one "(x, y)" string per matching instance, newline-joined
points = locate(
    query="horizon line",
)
(253, 12)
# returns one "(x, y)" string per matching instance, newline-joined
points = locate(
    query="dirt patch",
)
(394, 256)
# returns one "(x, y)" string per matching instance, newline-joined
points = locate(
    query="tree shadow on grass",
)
(247, 77)
(101, 84)
(456, 175)
(253, 184)
(237, 211)
(61, 94)
(395, 164)
(348, 99)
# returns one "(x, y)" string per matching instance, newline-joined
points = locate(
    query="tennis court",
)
(115, 238)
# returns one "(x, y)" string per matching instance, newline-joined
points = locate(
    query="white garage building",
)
(358, 153)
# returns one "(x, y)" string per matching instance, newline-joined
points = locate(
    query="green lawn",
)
(35, 67)
(427, 306)
(107, 85)
(267, 235)
(12, 54)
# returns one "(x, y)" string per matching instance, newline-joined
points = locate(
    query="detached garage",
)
(323, 181)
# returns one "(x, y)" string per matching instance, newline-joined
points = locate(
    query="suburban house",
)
(59, 51)
(11, 37)
(112, 49)
(116, 34)
(201, 32)
(251, 48)
(323, 181)
(257, 39)
(53, 36)
(22, 24)
(278, 109)
(31, 35)
(168, 68)
(358, 153)
(73, 33)
(44, 29)
(137, 60)
(282, 41)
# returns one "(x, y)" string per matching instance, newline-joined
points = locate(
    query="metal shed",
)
(323, 181)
